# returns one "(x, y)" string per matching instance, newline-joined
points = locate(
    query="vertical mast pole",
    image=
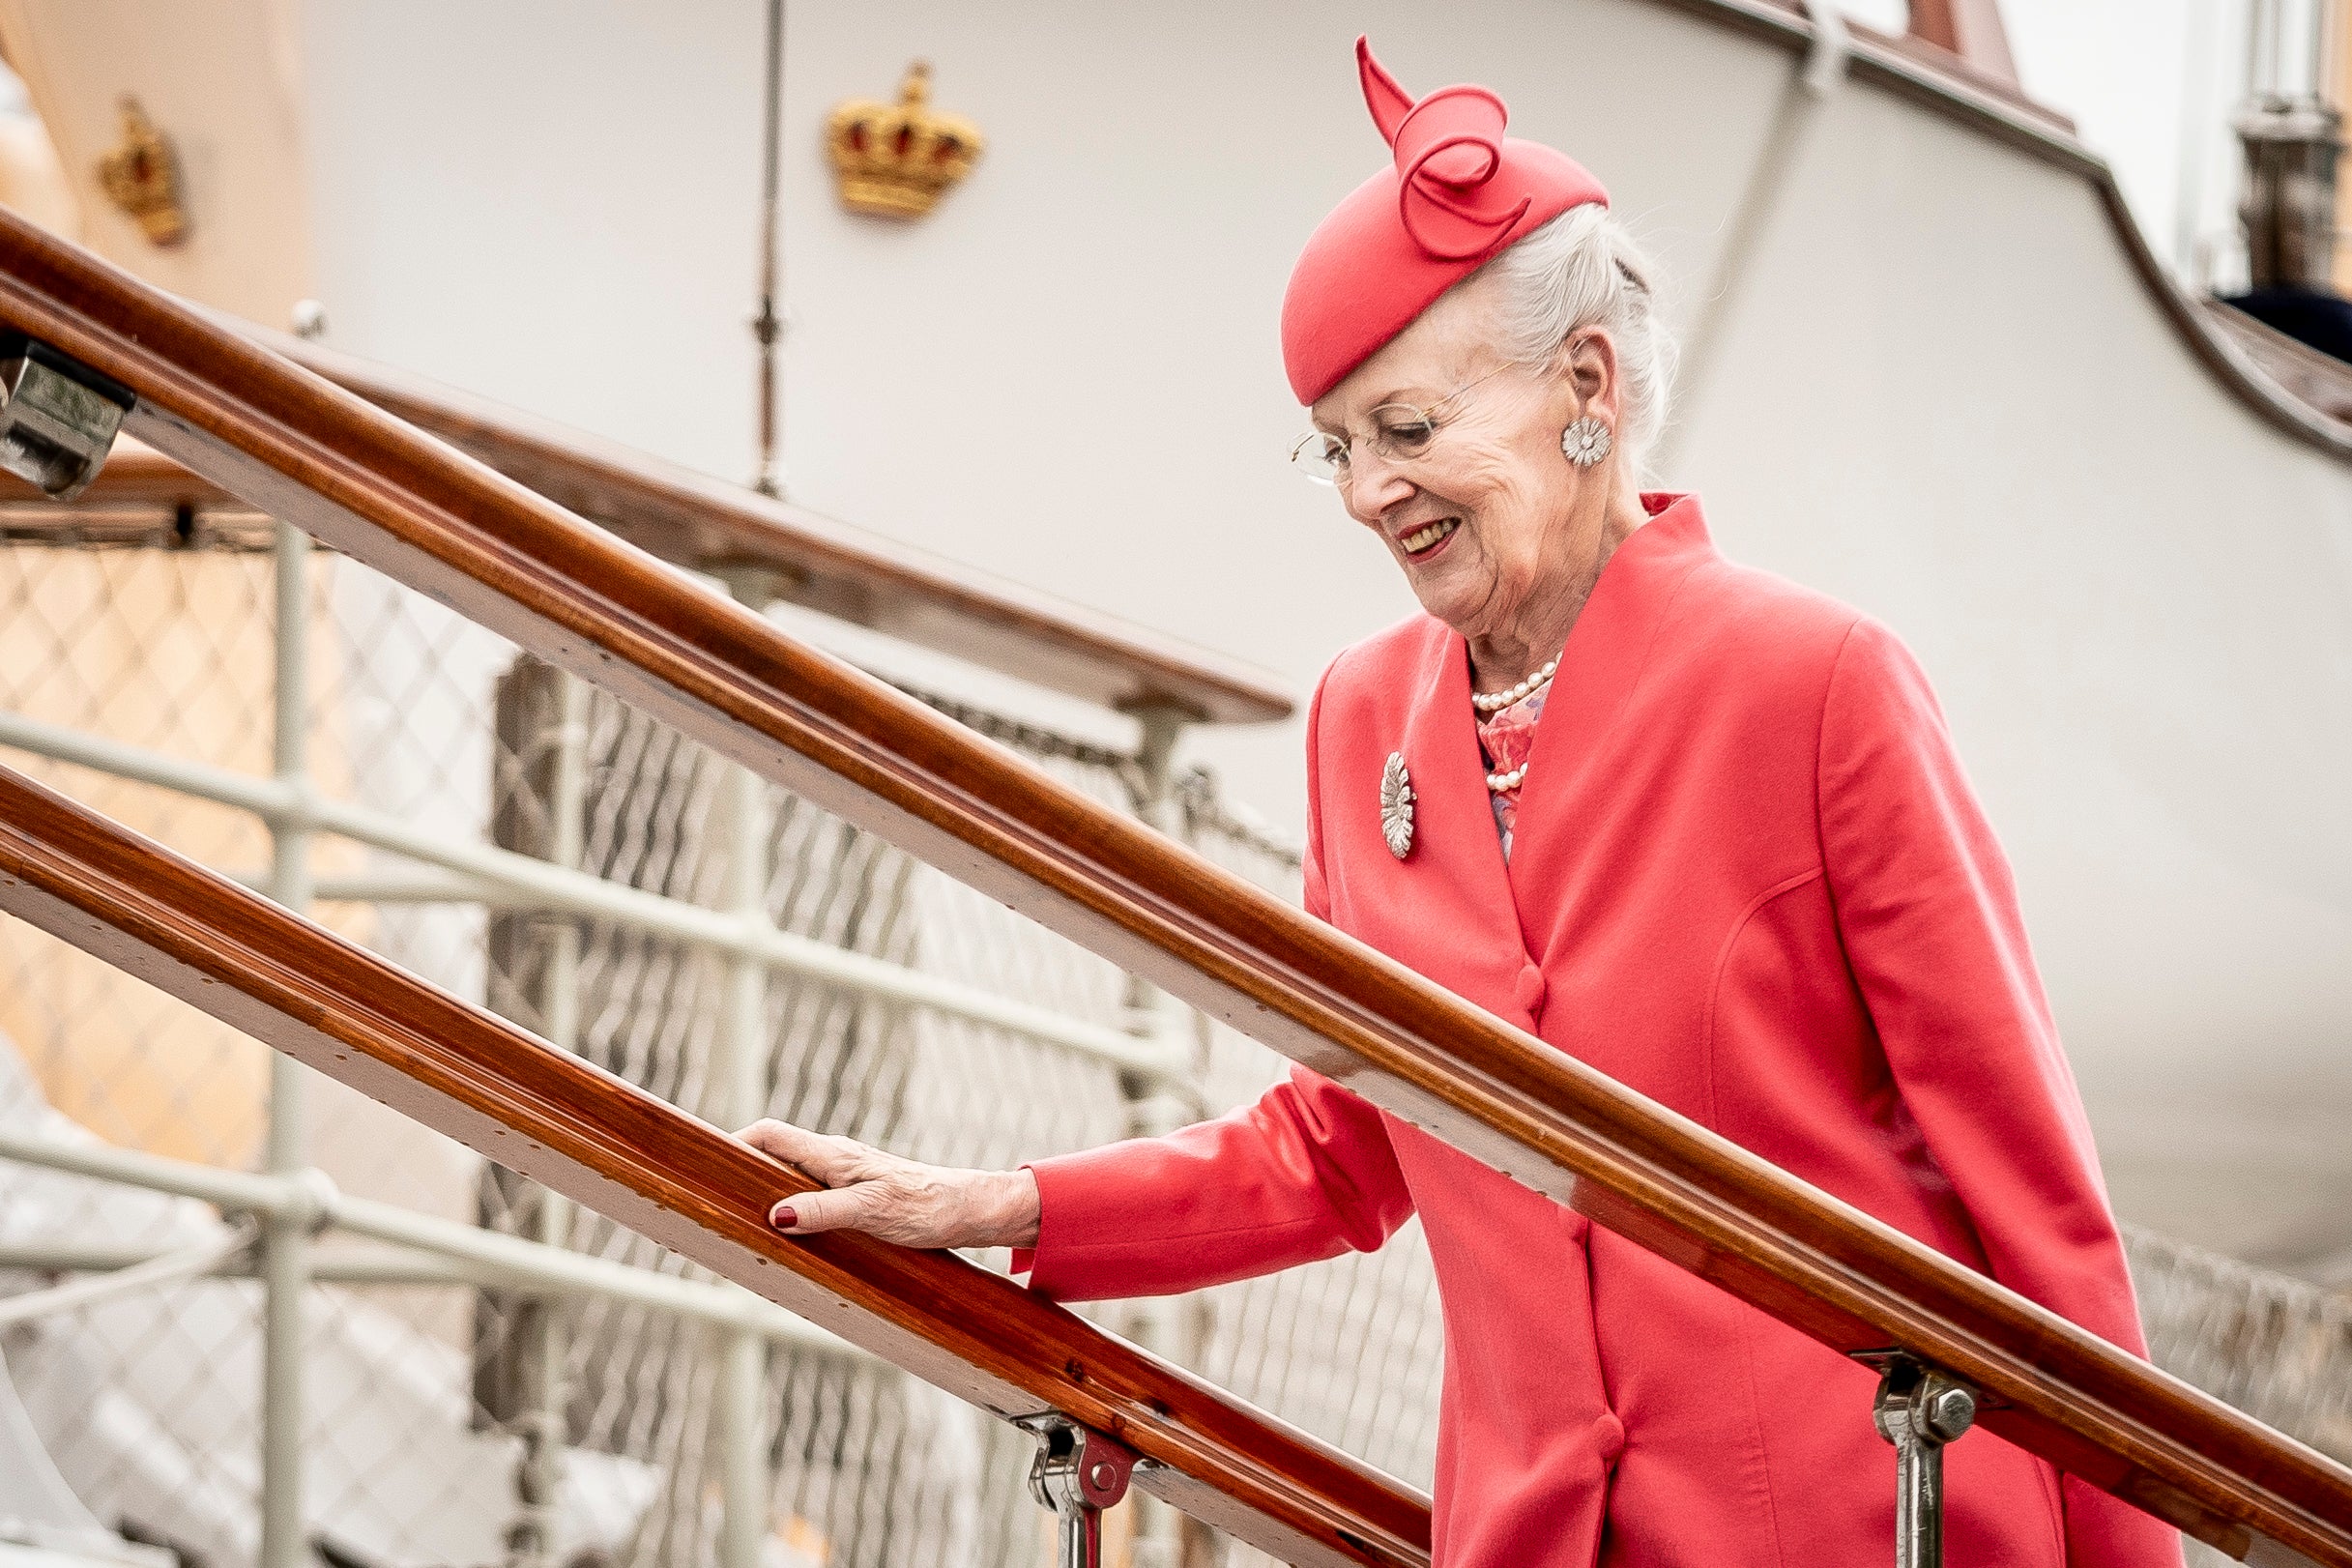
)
(768, 325)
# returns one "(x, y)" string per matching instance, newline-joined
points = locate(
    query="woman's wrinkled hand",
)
(901, 1201)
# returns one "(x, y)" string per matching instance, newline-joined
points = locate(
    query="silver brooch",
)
(1396, 806)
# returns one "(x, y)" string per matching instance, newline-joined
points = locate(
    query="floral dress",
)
(1506, 737)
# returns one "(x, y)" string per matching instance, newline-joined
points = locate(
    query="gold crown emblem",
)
(141, 176)
(893, 160)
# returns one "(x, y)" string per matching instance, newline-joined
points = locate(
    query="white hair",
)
(1580, 270)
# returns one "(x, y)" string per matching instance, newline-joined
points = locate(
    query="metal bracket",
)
(1077, 1473)
(58, 417)
(1918, 1410)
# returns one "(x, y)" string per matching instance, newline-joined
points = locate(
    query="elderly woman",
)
(1688, 823)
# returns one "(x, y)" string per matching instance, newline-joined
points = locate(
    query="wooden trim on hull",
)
(681, 1182)
(307, 452)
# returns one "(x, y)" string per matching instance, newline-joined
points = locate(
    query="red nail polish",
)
(783, 1218)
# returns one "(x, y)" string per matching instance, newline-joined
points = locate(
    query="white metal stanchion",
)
(540, 1408)
(1164, 1325)
(285, 1236)
(741, 1080)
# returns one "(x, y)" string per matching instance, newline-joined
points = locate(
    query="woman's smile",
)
(1428, 538)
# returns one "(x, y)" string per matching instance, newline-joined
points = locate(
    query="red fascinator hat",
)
(1456, 191)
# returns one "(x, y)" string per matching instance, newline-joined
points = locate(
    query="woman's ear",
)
(1590, 361)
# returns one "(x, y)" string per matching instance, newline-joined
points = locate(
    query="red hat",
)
(1457, 191)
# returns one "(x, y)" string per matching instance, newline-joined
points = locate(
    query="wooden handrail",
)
(704, 524)
(311, 454)
(681, 1182)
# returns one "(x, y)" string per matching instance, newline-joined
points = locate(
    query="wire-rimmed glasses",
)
(1400, 433)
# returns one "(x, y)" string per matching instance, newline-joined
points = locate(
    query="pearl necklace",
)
(1494, 702)
(1504, 783)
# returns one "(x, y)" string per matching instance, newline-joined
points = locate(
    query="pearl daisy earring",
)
(1586, 441)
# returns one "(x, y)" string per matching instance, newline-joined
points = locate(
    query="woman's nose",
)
(1373, 485)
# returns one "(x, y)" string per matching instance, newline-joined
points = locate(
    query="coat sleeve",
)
(1304, 1173)
(1928, 910)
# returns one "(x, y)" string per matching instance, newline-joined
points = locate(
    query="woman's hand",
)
(901, 1200)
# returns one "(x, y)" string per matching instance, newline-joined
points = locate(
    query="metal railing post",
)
(543, 1420)
(1077, 1473)
(1919, 1409)
(739, 1077)
(285, 1240)
(1165, 1325)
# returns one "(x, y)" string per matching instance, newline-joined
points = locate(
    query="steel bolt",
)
(1949, 1412)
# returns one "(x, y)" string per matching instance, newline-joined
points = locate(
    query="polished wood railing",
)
(682, 1183)
(311, 454)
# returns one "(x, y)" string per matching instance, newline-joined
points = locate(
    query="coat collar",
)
(1598, 671)
(1608, 650)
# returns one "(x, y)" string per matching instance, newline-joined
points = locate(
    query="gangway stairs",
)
(375, 488)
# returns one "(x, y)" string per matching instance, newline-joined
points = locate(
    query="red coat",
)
(1749, 881)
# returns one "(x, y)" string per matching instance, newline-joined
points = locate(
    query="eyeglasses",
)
(1400, 433)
